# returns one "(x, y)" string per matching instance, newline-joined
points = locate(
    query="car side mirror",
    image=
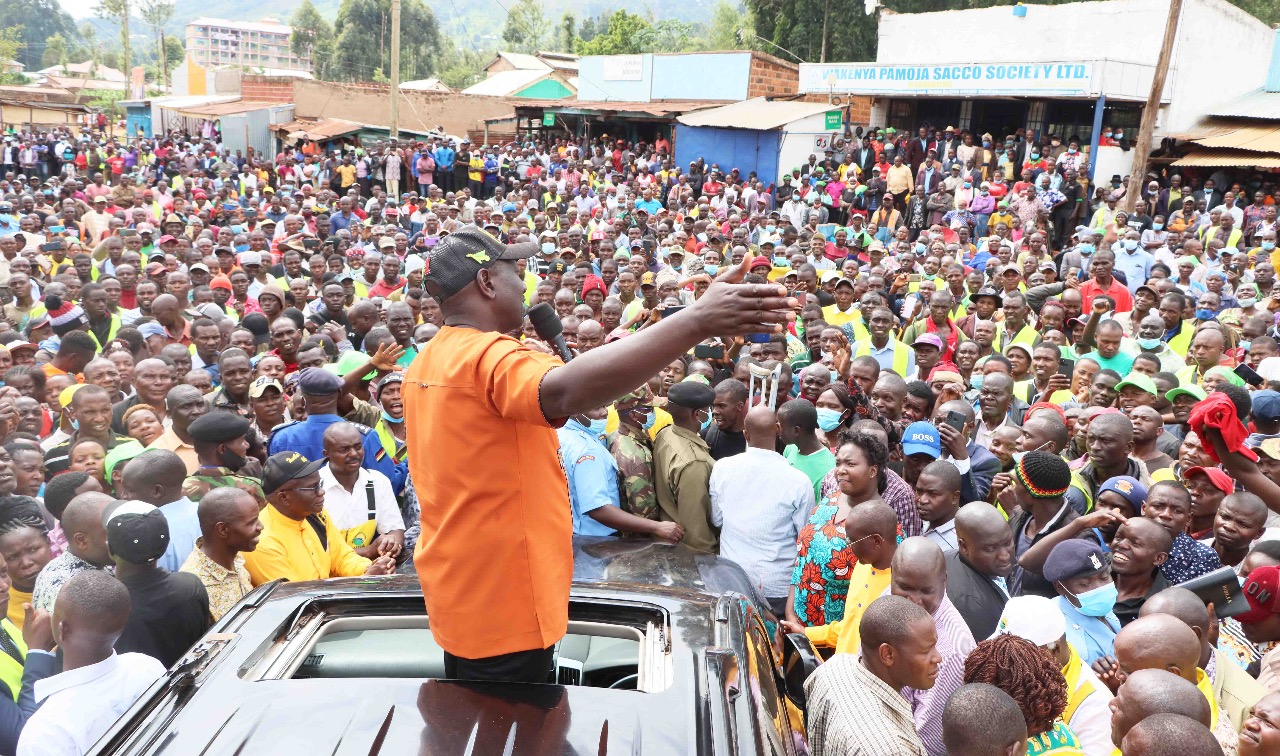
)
(799, 660)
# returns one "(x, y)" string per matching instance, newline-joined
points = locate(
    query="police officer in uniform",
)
(222, 447)
(320, 390)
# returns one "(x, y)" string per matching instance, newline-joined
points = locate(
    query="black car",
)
(667, 653)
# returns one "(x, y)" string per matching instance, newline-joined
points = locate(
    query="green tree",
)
(624, 34)
(731, 28)
(588, 31)
(157, 14)
(460, 67)
(567, 36)
(118, 11)
(39, 19)
(56, 52)
(11, 45)
(312, 36)
(526, 28)
(174, 52)
(363, 43)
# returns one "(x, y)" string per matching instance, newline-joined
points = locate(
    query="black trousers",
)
(520, 666)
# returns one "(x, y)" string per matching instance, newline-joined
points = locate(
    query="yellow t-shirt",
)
(16, 613)
(866, 584)
(833, 316)
(346, 175)
(475, 169)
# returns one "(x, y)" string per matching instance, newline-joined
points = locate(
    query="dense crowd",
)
(1010, 439)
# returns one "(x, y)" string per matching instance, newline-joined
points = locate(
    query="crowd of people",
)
(1009, 438)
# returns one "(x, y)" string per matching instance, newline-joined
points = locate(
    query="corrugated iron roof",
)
(1259, 138)
(1210, 158)
(507, 82)
(760, 114)
(227, 108)
(1256, 104)
(662, 109)
(325, 128)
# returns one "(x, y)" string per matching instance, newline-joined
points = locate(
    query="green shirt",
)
(815, 465)
(1122, 363)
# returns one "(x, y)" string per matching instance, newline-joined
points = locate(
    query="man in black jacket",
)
(976, 573)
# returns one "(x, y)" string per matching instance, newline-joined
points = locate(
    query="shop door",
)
(999, 117)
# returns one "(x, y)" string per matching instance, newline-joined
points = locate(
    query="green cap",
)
(1188, 260)
(1140, 381)
(121, 453)
(1194, 391)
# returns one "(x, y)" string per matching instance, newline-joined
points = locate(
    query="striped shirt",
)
(955, 641)
(851, 711)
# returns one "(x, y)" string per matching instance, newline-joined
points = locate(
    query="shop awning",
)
(321, 130)
(1251, 138)
(1220, 158)
(220, 109)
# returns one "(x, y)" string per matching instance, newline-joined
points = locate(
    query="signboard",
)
(835, 119)
(1073, 79)
(548, 119)
(823, 141)
(623, 67)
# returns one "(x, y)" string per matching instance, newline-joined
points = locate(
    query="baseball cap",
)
(1129, 487)
(1266, 405)
(261, 384)
(1140, 381)
(1192, 391)
(137, 532)
(455, 261)
(250, 258)
(1217, 476)
(928, 339)
(286, 466)
(1269, 447)
(1034, 618)
(1074, 558)
(921, 438)
(647, 279)
(1262, 591)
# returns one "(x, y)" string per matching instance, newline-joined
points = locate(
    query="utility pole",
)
(164, 63)
(826, 15)
(395, 69)
(1137, 176)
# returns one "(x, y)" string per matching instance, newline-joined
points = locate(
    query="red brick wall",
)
(266, 88)
(772, 77)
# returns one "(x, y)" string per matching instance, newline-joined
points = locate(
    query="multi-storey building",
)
(248, 44)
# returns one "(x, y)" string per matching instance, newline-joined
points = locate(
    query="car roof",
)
(231, 714)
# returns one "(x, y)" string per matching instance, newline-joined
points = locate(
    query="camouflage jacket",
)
(634, 454)
(196, 486)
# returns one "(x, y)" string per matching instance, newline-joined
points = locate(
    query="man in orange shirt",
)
(74, 352)
(498, 598)
(1103, 282)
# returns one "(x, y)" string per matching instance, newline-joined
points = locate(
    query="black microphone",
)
(547, 324)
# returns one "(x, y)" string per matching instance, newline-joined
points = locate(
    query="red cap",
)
(1262, 591)
(1047, 405)
(761, 260)
(155, 268)
(1217, 476)
(166, 239)
(594, 282)
(220, 281)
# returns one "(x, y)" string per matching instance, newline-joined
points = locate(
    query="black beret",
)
(691, 394)
(218, 427)
(319, 382)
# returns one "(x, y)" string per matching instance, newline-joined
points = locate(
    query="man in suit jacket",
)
(978, 466)
(929, 175)
(1209, 195)
(917, 148)
(865, 158)
(976, 570)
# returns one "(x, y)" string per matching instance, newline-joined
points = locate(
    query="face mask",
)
(1085, 249)
(1205, 314)
(770, 229)
(795, 196)
(828, 419)
(1130, 244)
(710, 269)
(548, 248)
(75, 425)
(1072, 150)
(650, 419)
(1119, 135)
(835, 377)
(231, 460)
(983, 192)
(706, 423)
(968, 184)
(780, 262)
(1248, 302)
(1098, 602)
(391, 419)
(975, 381)
(1157, 226)
(597, 426)
(1035, 156)
(920, 249)
(1245, 344)
(1150, 344)
(1268, 245)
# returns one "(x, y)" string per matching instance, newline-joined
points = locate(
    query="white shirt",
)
(79, 705)
(760, 502)
(351, 508)
(944, 536)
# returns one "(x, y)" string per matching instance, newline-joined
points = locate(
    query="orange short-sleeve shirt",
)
(496, 553)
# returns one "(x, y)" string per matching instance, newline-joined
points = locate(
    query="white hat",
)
(1035, 618)
(413, 263)
(250, 258)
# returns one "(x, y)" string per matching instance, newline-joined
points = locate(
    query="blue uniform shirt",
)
(1091, 637)
(307, 439)
(592, 474)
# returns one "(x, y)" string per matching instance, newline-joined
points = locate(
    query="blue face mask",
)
(1245, 345)
(548, 248)
(1157, 226)
(986, 143)
(770, 229)
(1035, 156)
(828, 419)
(75, 425)
(975, 380)
(779, 262)
(1072, 150)
(1085, 249)
(391, 419)
(921, 249)
(597, 426)
(1202, 314)
(1098, 602)
(1150, 344)
(650, 419)
(710, 268)
(1131, 244)
(1268, 246)
(706, 423)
